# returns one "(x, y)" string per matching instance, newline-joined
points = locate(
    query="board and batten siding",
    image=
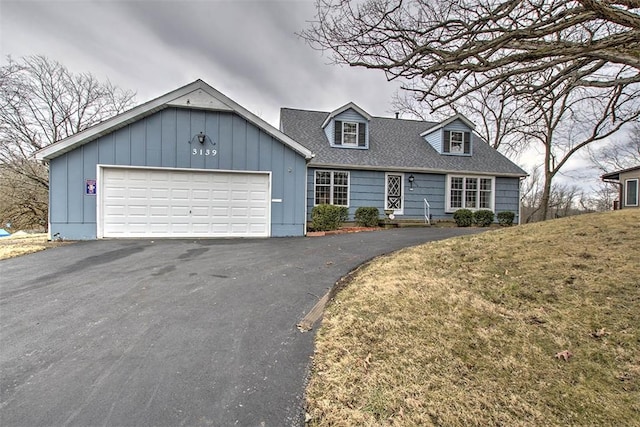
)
(367, 189)
(163, 140)
(349, 115)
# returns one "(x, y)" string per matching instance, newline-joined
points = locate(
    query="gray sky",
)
(246, 49)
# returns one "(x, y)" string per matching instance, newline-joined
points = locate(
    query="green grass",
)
(466, 331)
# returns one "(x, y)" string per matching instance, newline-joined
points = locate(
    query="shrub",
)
(463, 217)
(483, 217)
(506, 218)
(328, 217)
(367, 216)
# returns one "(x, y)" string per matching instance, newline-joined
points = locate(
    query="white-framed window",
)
(631, 192)
(350, 133)
(470, 192)
(456, 141)
(331, 188)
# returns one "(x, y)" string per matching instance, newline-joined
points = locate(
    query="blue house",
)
(194, 163)
(409, 168)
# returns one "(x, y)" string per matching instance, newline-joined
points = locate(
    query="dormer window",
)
(349, 133)
(456, 142)
(457, 139)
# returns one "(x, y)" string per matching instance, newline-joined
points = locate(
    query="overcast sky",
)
(247, 49)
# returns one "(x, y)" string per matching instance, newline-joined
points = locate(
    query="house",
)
(409, 168)
(627, 182)
(191, 163)
(194, 163)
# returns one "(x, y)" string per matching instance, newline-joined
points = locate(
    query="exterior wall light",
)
(411, 179)
(202, 138)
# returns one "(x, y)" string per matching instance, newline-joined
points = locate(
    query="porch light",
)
(201, 138)
(411, 179)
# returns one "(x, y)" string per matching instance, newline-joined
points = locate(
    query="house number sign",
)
(203, 152)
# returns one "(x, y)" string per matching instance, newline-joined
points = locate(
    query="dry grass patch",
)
(466, 331)
(16, 245)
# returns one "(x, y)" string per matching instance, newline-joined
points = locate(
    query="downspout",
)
(522, 178)
(619, 184)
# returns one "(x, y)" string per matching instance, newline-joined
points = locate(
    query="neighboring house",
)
(401, 165)
(194, 163)
(627, 181)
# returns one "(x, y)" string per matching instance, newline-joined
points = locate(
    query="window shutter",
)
(467, 143)
(362, 131)
(446, 144)
(338, 132)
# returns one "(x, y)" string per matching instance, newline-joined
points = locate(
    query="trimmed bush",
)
(328, 217)
(463, 217)
(367, 216)
(483, 217)
(506, 218)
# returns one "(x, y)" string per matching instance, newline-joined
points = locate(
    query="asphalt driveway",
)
(170, 332)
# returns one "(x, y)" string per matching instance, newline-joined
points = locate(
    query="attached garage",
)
(191, 163)
(165, 202)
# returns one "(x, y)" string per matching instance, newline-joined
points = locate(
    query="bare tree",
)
(23, 201)
(42, 102)
(562, 122)
(551, 75)
(455, 47)
(496, 116)
(622, 154)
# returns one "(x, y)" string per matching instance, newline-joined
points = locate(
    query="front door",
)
(394, 193)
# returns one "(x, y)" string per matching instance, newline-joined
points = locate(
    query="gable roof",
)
(197, 95)
(394, 144)
(344, 108)
(451, 119)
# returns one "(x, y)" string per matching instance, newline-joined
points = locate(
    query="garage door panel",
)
(169, 203)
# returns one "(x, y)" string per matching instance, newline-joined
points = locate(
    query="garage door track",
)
(170, 332)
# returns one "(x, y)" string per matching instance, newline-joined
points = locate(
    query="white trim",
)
(447, 204)
(205, 97)
(386, 191)
(331, 184)
(100, 190)
(343, 109)
(356, 143)
(306, 195)
(626, 193)
(450, 142)
(451, 119)
(415, 169)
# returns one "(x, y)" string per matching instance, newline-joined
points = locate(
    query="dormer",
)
(348, 127)
(451, 137)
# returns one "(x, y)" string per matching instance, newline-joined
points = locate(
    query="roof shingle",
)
(394, 144)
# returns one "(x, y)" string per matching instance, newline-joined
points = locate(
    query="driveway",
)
(170, 332)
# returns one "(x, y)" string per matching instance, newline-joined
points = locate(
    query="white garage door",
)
(178, 203)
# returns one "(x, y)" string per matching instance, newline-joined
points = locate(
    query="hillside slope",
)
(531, 325)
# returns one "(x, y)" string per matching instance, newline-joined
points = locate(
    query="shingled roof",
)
(394, 144)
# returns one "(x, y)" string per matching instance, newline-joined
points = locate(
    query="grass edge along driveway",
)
(532, 325)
